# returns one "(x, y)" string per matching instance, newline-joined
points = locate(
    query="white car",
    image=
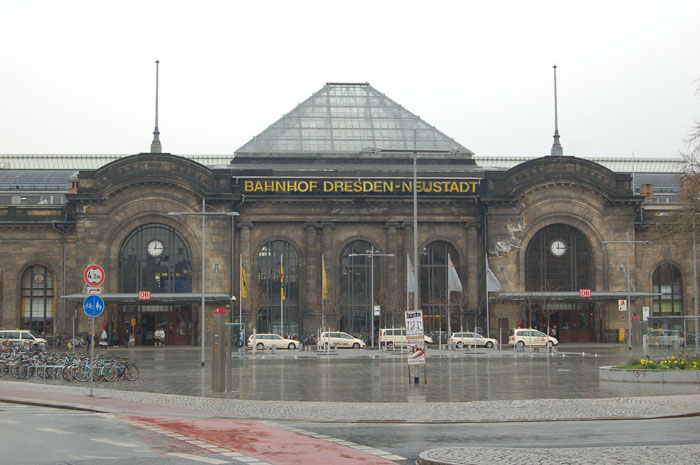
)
(22, 336)
(267, 341)
(522, 337)
(339, 339)
(396, 337)
(471, 339)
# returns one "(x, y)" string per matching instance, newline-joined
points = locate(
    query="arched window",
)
(274, 314)
(356, 288)
(37, 300)
(668, 282)
(559, 258)
(433, 286)
(156, 258)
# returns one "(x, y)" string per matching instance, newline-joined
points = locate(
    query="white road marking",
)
(9, 422)
(197, 458)
(57, 431)
(114, 443)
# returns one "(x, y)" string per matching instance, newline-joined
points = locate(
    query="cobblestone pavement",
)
(638, 455)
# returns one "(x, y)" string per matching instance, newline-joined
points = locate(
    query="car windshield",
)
(538, 334)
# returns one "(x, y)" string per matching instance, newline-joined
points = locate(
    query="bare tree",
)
(330, 312)
(392, 308)
(256, 298)
(678, 225)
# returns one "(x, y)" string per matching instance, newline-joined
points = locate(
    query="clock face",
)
(557, 247)
(155, 248)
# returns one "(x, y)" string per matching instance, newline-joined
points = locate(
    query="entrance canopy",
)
(572, 296)
(174, 298)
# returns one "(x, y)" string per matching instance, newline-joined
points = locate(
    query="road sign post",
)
(93, 306)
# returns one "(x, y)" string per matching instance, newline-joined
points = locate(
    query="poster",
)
(415, 342)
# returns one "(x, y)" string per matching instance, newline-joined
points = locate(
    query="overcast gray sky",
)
(78, 77)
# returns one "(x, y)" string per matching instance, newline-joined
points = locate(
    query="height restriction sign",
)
(94, 275)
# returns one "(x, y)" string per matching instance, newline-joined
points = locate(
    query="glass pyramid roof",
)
(349, 118)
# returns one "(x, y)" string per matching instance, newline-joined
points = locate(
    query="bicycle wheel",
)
(2, 368)
(131, 373)
(108, 373)
(69, 371)
(83, 374)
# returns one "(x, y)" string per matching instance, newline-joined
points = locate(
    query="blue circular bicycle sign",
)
(93, 305)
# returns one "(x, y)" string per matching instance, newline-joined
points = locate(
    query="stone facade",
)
(499, 221)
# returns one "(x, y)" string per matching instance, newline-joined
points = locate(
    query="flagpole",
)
(408, 270)
(282, 295)
(486, 263)
(323, 289)
(240, 293)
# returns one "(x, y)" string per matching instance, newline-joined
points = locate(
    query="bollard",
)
(273, 349)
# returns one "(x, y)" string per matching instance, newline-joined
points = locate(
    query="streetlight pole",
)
(695, 290)
(371, 253)
(627, 242)
(203, 214)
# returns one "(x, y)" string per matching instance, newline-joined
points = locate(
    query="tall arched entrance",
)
(433, 289)
(155, 258)
(559, 259)
(356, 273)
(278, 284)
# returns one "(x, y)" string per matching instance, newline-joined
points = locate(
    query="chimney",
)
(647, 190)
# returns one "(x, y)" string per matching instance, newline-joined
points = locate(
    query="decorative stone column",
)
(392, 247)
(392, 276)
(332, 304)
(474, 264)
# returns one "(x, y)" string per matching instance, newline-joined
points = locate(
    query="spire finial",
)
(557, 149)
(155, 145)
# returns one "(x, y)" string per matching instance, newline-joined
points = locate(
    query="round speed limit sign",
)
(94, 275)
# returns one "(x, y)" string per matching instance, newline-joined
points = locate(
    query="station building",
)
(311, 225)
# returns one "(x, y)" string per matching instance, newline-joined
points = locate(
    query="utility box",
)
(621, 335)
(221, 352)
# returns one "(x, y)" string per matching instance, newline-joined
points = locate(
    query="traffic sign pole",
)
(93, 306)
(92, 353)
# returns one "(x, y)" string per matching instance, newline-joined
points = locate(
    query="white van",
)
(396, 337)
(21, 336)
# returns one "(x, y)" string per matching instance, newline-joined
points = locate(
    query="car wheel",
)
(326, 346)
(520, 346)
(489, 345)
(260, 346)
(459, 345)
(550, 344)
(356, 345)
(389, 345)
(291, 346)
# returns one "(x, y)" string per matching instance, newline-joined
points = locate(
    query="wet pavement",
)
(356, 386)
(571, 371)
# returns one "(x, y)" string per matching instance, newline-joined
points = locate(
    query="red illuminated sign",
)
(219, 310)
(144, 295)
(584, 293)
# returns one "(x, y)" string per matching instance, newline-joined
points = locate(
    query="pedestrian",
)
(554, 330)
(103, 339)
(159, 337)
